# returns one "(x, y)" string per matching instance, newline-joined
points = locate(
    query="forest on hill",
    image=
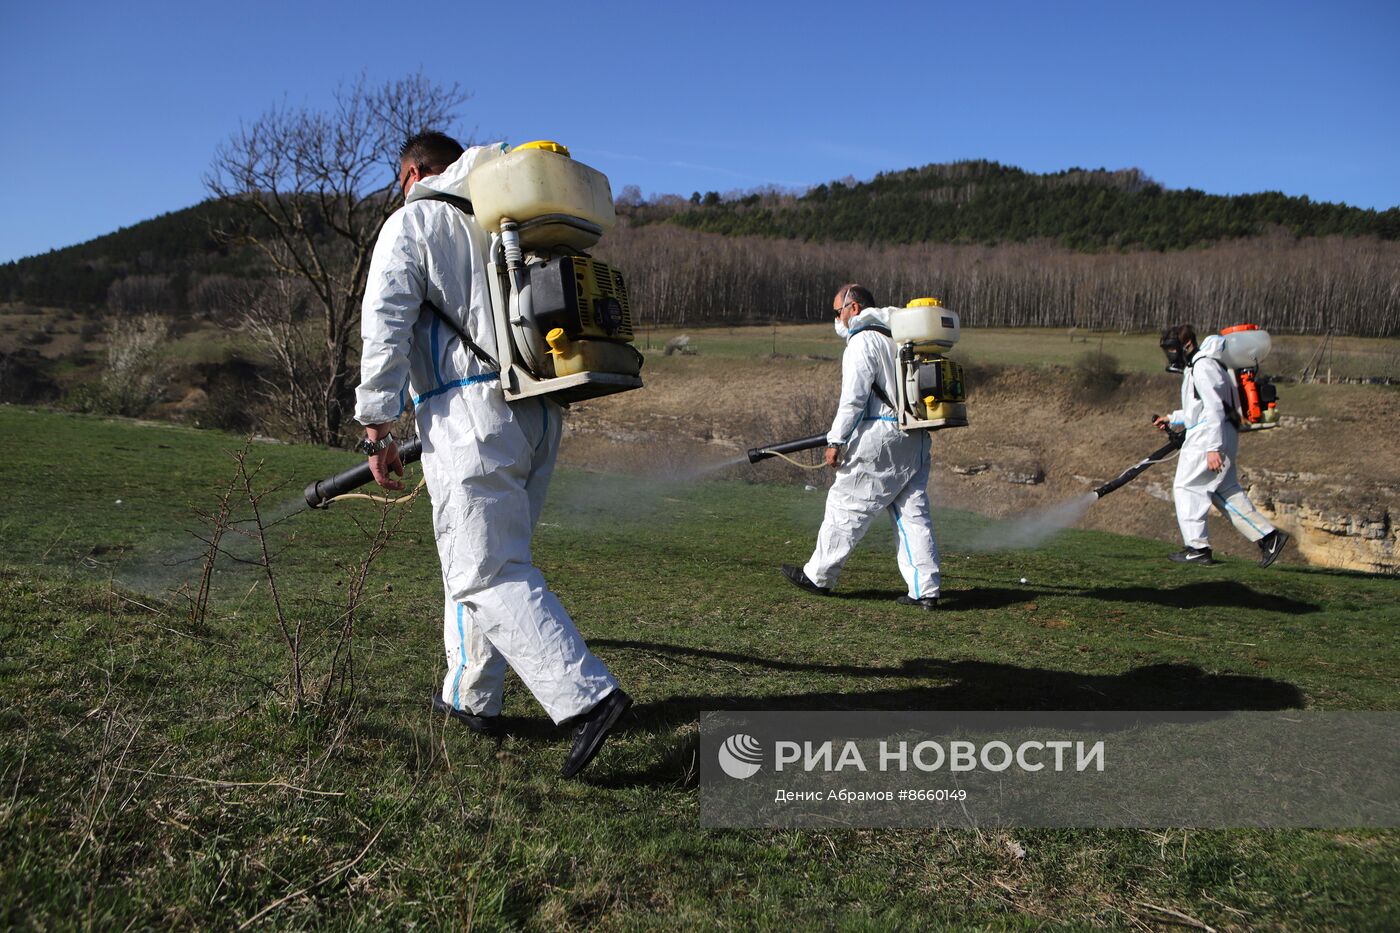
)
(1099, 249)
(980, 202)
(180, 248)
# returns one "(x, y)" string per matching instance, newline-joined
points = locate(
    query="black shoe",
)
(482, 725)
(1194, 555)
(927, 603)
(800, 580)
(1271, 546)
(593, 727)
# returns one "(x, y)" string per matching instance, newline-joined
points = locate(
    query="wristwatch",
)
(369, 448)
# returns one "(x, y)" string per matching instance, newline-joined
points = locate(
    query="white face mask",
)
(841, 329)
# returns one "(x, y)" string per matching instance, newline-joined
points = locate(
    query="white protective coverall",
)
(881, 467)
(487, 462)
(1207, 400)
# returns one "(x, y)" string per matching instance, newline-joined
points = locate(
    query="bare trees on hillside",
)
(1309, 285)
(315, 187)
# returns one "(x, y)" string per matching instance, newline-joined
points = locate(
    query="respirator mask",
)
(1177, 357)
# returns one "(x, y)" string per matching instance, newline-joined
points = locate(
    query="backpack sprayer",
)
(1256, 398)
(563, 320)
(929, 392)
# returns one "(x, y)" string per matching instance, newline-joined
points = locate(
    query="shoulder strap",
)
(465, 206)
(1232, 412)
(486, 358)
(875, 386)
(882, 396)
(462, 204)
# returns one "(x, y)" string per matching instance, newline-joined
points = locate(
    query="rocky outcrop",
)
(1346, 526)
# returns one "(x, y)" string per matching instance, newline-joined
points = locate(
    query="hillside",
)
(179, 246)
(988, 203)
(974, 202)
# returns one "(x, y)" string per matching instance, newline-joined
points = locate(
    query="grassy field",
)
(152, 776)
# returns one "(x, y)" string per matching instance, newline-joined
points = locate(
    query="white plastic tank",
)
(1246, 346)
(536, 179)
(925, 322)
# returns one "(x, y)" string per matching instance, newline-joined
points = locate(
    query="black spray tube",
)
(786, 447)
(320, 493)
(1132, 472)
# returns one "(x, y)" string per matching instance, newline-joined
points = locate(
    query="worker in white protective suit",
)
(1206, 468)
(878, 466)
(429, 342)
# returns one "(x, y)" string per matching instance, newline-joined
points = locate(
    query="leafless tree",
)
(279, 314)
(140, 294)
(315, 187)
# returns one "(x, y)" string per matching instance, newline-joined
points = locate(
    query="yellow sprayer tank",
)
(538, 179)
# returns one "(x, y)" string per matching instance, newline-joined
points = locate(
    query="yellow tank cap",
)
(548, 145)
(925, 303)
(558, 342)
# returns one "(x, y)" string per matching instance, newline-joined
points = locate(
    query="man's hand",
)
(833, 456)
(1214, 461)
(1161, 422)
(387, 460)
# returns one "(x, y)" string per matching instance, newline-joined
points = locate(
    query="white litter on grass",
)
(810, 488)
(119, 502)
(1023, 580)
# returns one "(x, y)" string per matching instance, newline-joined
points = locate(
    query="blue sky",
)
(111, 112)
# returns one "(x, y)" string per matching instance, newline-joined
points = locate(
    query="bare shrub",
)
(800, 414)
(318, 637)
(136, 373)
(1096, 375)
(299, 391)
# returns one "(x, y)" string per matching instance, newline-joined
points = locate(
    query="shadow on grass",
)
(937, 684)
(1229, 594)
(982, 597)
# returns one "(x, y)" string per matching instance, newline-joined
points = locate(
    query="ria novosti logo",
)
(741, 756)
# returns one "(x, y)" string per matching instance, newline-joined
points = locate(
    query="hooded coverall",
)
(881, 466)
(487, 461)
(1207, 400)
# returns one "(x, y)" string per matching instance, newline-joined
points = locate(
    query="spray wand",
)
(782, 450)
(340, 486)
(1174, 442)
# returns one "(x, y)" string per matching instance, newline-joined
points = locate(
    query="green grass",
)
(149, 776)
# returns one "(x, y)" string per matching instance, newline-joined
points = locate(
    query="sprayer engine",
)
(932, 394)
(584, 297)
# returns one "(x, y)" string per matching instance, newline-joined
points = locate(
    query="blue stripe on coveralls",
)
(909, 554)
(433, 345)
(1251, 524)
(455, 384)
(461, 659)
